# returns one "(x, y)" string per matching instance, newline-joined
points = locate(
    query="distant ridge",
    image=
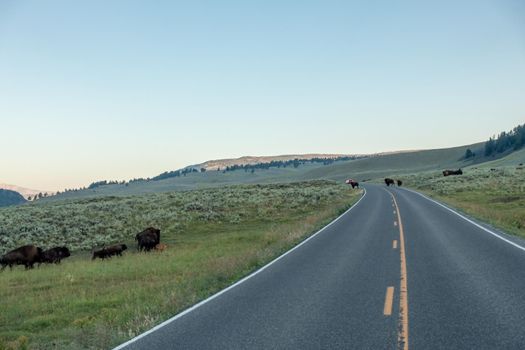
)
(8, 197)
(252, 160)
(25, 192)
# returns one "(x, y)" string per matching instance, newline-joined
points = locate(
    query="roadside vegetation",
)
(494, 195)
(214, 237)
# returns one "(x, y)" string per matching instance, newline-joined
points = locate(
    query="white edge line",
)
(469, 220)
(190, 309)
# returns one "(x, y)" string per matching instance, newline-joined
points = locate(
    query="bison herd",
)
(28, 255)
(393, 182)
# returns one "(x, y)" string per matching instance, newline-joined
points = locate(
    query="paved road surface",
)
(397, 271)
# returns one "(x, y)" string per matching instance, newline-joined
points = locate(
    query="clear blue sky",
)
(119, 89)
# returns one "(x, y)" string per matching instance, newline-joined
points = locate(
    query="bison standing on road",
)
(389, 182)
(27, 255)
(148, 239)
(55, 255)
(399, 182)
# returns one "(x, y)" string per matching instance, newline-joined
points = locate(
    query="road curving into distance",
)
(396, 271)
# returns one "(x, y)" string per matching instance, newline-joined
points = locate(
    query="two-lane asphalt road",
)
(395, 271)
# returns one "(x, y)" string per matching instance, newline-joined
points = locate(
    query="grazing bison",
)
(148, 239)
(389, 182)
(147, 243)
(101, 254)
(452, 172)
(27, 255)
(108, 252)
(399, 182)
(55, 255)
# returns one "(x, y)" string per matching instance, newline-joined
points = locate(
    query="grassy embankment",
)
(494, 196)
(214, 237)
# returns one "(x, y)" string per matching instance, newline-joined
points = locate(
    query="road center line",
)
(402, 335)
(389, 298)
(394, 244)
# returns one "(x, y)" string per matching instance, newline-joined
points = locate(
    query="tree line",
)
(512, 140)
(295, 163)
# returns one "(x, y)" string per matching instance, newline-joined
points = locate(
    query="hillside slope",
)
(399, 163)
(251, 160)
(8, 197)
(512, 159)
(25, 192)
(390, 164)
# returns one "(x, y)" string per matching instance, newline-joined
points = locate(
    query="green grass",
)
(214, 238)
(497, 197)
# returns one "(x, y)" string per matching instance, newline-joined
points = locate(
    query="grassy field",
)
(495, 196)
(214, 237)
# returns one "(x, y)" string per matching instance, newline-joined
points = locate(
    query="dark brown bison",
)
(108, 252)
(55, 255)
(27, 255)
(452, 172)
(353, 183)
(148, 239)
(389, 182)
(399, 182)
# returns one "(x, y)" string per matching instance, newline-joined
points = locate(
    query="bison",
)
(399, 182)
(27, 255)
(55, 255)
(148, 239)
(353, 183)
(452, 172)
(108, 252)
(389, 182)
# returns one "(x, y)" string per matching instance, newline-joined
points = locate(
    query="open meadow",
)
(214, 237)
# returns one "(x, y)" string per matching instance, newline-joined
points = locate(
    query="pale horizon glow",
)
(125, 89)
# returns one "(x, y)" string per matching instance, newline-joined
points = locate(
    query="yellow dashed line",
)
(389, 299)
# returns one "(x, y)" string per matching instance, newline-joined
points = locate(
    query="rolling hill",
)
(251, 160)
(8, 197)
(400, 163)
(25, 192)
(363, 169)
